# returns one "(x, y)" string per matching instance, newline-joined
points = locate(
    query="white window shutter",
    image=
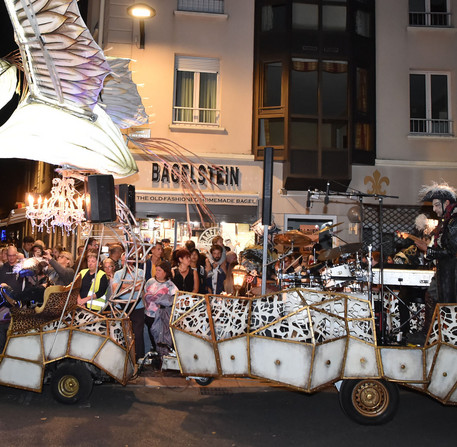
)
(197, 64)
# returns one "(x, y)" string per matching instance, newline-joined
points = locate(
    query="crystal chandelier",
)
(63, 209)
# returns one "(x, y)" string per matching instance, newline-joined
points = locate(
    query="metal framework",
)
(34, 343)
(306, 340)
(126, 230)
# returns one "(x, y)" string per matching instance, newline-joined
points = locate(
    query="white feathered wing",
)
(59, 122)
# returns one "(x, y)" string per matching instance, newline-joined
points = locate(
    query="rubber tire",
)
(71, 383)
(369, 401)
(204, 381)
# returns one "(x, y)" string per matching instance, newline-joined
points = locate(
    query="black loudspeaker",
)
(100, 200)
(127, 195)
(267, 185)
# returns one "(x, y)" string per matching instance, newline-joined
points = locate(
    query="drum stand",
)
(380, 198)
(281, 265)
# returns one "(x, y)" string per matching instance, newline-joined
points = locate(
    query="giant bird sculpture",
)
(77, 99)
(60, 120)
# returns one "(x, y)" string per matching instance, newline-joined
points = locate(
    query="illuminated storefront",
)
(231, 192)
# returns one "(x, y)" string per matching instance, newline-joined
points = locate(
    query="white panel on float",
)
(112, 359)
(20, 373)
(233, 355)
(25, 347)
(130, 368)
(403, 364)
(58, 342)
(429, 356)
(313, 296)
(84, 345)
(360, 360)
(444, 373)
(196, 356)
(453, 397)
(328, 362)
(281, 361)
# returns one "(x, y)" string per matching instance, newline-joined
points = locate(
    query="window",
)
(363, 128)
(334, 89)
(304, 86)
(334, 17)
(429, 13)
(363, 23)
(196, 91)
(429, 104)
(314, 87)
(274, 18)
(319, 115)
(271, 132)
(305, 16)
(211, 6)
(272, 84)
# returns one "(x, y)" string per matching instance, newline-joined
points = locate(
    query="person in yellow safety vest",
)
(93, 285)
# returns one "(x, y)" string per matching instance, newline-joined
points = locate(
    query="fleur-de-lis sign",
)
(377, 182)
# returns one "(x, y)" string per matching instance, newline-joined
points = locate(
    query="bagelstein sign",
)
(203, 175)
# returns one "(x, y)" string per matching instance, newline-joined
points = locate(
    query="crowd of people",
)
(184, 269)
(26, 271)
(187, 269)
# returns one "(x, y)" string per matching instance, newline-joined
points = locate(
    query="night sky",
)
(12, 176)
(7, 44)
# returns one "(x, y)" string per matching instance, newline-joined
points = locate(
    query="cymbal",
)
(295, 237)
(329, 227)
(333, 253)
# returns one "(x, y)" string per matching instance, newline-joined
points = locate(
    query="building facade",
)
(355, 97)
(195, 77)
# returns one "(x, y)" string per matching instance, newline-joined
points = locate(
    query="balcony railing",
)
(431, 19)
(430, 127)
(211, 6)
(196, 116)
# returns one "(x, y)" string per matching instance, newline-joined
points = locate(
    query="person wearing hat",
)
(443, 250)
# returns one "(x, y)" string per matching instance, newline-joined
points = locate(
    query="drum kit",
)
(326, 274)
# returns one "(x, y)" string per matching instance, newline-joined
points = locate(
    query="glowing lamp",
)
(141, 11)
(239, 274)
(63, 209)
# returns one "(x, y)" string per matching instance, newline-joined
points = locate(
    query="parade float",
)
(72, 347)
(308, 340)
(304, 339)
(74, 104)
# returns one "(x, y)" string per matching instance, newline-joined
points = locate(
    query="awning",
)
(222, 213)
(14, 217)
(233, 208)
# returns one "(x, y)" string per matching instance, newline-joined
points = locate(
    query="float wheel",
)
(369, 401)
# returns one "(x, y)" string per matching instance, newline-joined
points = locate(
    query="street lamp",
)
(239, 274)
(141, 12)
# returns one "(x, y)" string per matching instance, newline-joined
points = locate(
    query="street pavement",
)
(164, 409)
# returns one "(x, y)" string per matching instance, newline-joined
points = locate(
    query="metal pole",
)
(381, 271)
(370, 277)
(175, 235)
(361, 218)
(265, 259)
(266, 209)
